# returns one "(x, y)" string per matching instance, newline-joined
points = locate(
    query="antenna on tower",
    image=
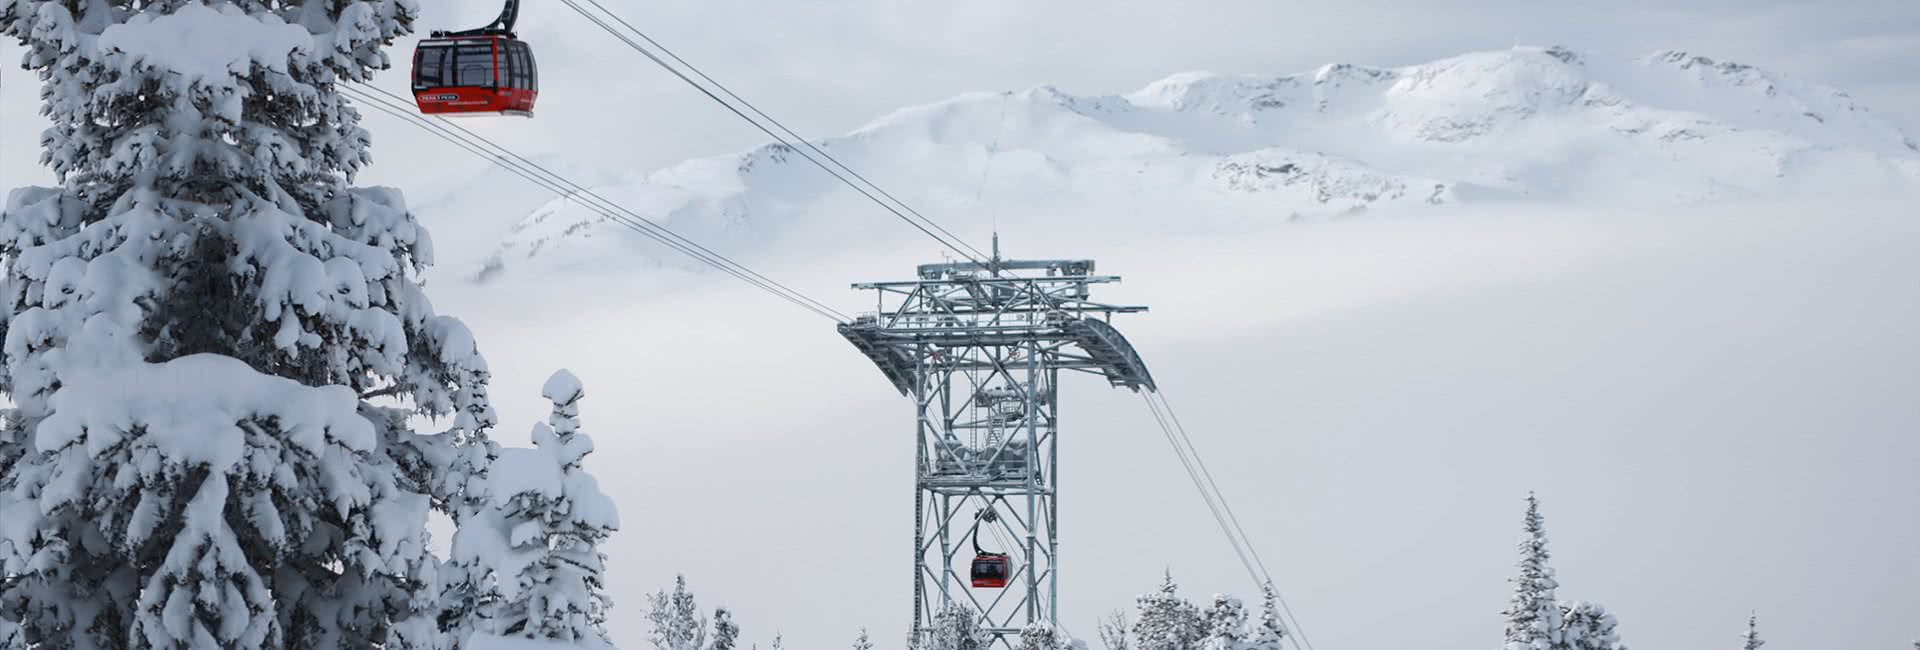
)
(995, 268)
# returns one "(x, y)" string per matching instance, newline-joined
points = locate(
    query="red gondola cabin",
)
(990, 571)
(482, 74)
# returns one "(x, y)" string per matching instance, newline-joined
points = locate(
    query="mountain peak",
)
(1685, 60)
(1756, 98)
(1535, 124)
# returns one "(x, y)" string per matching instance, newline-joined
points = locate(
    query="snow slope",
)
(1543, 125)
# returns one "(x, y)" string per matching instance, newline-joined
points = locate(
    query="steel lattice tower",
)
(979, 347)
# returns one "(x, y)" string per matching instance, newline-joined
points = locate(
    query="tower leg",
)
(1034, 482)
(920, 618)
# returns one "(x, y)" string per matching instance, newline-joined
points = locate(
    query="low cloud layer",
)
(1715, 405)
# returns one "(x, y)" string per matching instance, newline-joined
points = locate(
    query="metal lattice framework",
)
(979, 347)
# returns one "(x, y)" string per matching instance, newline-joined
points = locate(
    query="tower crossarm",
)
(971, 304)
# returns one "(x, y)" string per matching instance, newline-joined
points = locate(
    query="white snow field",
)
(1527, 125)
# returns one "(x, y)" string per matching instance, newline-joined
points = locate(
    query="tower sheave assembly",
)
(979, 347)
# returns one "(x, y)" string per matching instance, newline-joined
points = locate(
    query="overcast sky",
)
(1718, 423)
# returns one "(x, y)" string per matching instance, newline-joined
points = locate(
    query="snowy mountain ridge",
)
(1527, 124)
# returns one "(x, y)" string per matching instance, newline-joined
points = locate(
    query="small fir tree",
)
(957, 628)
(1533, 615)
(863, 642)
(1113, 631)
(1165, 621)
(542, 533)
(1588, 626)
(1270, 631)
(1226, 622)
(1040, 636)
(677, 623)
(1752, 637)
(726, 633)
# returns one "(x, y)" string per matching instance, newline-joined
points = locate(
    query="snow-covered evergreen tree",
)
(677, 623)
(1533, 615)
(1270, 631)
(1040, 636)
(1113, 631)
(213, 343)
(1165, 621)
(726, 633)
(863, 642)
(468, 592)
(1752, 638)
(540, 537)
(955, 627)
(577, 605)
(1588, 626)
(1226, 621)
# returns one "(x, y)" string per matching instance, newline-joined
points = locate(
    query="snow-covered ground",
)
(1534, 126)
